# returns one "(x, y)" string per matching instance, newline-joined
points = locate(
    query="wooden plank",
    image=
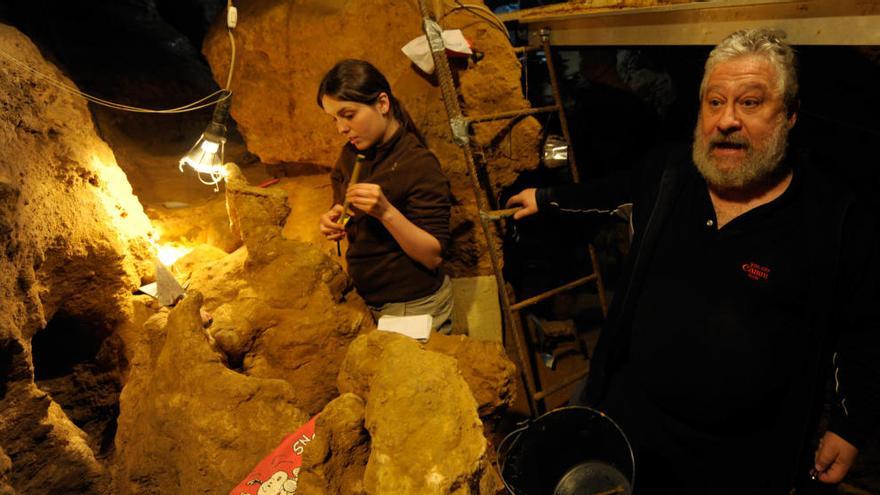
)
(807, 22)
(569, 10)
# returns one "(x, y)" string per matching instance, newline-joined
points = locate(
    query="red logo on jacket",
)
(755, 271)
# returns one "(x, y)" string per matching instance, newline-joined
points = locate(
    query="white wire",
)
(205, 102)
(231, 59)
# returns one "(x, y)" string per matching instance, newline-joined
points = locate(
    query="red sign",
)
(278, 472)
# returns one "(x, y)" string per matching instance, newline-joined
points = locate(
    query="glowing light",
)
(169, 252)
(206, 156)
(120, 207)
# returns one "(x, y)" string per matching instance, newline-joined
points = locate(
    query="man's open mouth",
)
(724, 145)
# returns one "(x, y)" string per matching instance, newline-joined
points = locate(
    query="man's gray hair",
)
(762, 42)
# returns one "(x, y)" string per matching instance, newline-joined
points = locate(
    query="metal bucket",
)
(568, 451)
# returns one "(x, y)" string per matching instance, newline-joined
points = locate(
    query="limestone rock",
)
(255, 215)
(283, 317)
(434, 443)
(73, 246)
(5, 467)
(284, 48)
(426, 436)
(361, 363)
(67, 208)
(206, 224)
(280, 308)
(309, 196)
(200, 255)
(484, 366)
(189, 422)
(49, 450)
(334, 462)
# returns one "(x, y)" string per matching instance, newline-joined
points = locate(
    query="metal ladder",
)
(460, 126)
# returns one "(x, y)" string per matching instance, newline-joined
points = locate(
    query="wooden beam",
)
(807, 22)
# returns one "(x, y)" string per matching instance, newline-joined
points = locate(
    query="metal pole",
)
(460, 134)
(511, 114)
(563, 121)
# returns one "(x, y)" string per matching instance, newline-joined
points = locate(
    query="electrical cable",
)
(205, 102)
(476, 9)
(231, 22)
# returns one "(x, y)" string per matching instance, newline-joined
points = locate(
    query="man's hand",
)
(834, 457)
(328, 226)
(526, 200)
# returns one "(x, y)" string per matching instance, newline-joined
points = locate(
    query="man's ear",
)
(793, 113)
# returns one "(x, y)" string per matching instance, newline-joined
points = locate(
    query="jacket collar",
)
(379, 152)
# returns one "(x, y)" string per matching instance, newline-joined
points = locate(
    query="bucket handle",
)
(502, 454)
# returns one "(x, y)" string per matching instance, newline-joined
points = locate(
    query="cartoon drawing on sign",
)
(277, 484)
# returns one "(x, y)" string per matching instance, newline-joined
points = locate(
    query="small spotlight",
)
(206, 157)
(555, 152)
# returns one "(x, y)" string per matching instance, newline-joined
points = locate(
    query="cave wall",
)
(182, 407)
(72, 247)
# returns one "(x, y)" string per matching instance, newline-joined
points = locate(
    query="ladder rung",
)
(511, 114)
(526, 49)
(559, 386)
(552, 292)
(498, 214)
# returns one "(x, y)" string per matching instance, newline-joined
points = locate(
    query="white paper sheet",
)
(415, 326)
(419, 51)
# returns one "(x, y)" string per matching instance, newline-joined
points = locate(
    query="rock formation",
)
(73, 245)
(484, 366)
(425, 434)
(104, 392)
(281, 308)
(5, 466)
(186, 420)
(336, 459)
(279, 320)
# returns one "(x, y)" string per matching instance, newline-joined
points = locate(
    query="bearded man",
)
(745, 305)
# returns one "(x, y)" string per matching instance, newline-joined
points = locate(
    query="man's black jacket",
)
(843, 308)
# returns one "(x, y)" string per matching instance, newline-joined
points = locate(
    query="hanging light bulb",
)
(206, 157)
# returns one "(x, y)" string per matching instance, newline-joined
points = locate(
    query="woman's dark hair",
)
(361, 82)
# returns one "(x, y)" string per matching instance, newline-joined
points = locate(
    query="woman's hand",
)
(415, 242)
(526, 200)
(328, 226)
(369, 199)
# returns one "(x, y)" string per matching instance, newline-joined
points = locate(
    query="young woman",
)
(399, 204)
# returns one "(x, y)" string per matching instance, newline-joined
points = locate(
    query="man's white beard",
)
(758, 166)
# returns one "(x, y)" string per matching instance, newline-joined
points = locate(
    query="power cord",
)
(480, 11)
(207, 101)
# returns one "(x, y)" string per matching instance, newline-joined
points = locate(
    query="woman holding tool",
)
(355, 174)
(399, 223)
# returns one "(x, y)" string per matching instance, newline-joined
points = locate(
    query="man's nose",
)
(729, 120)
